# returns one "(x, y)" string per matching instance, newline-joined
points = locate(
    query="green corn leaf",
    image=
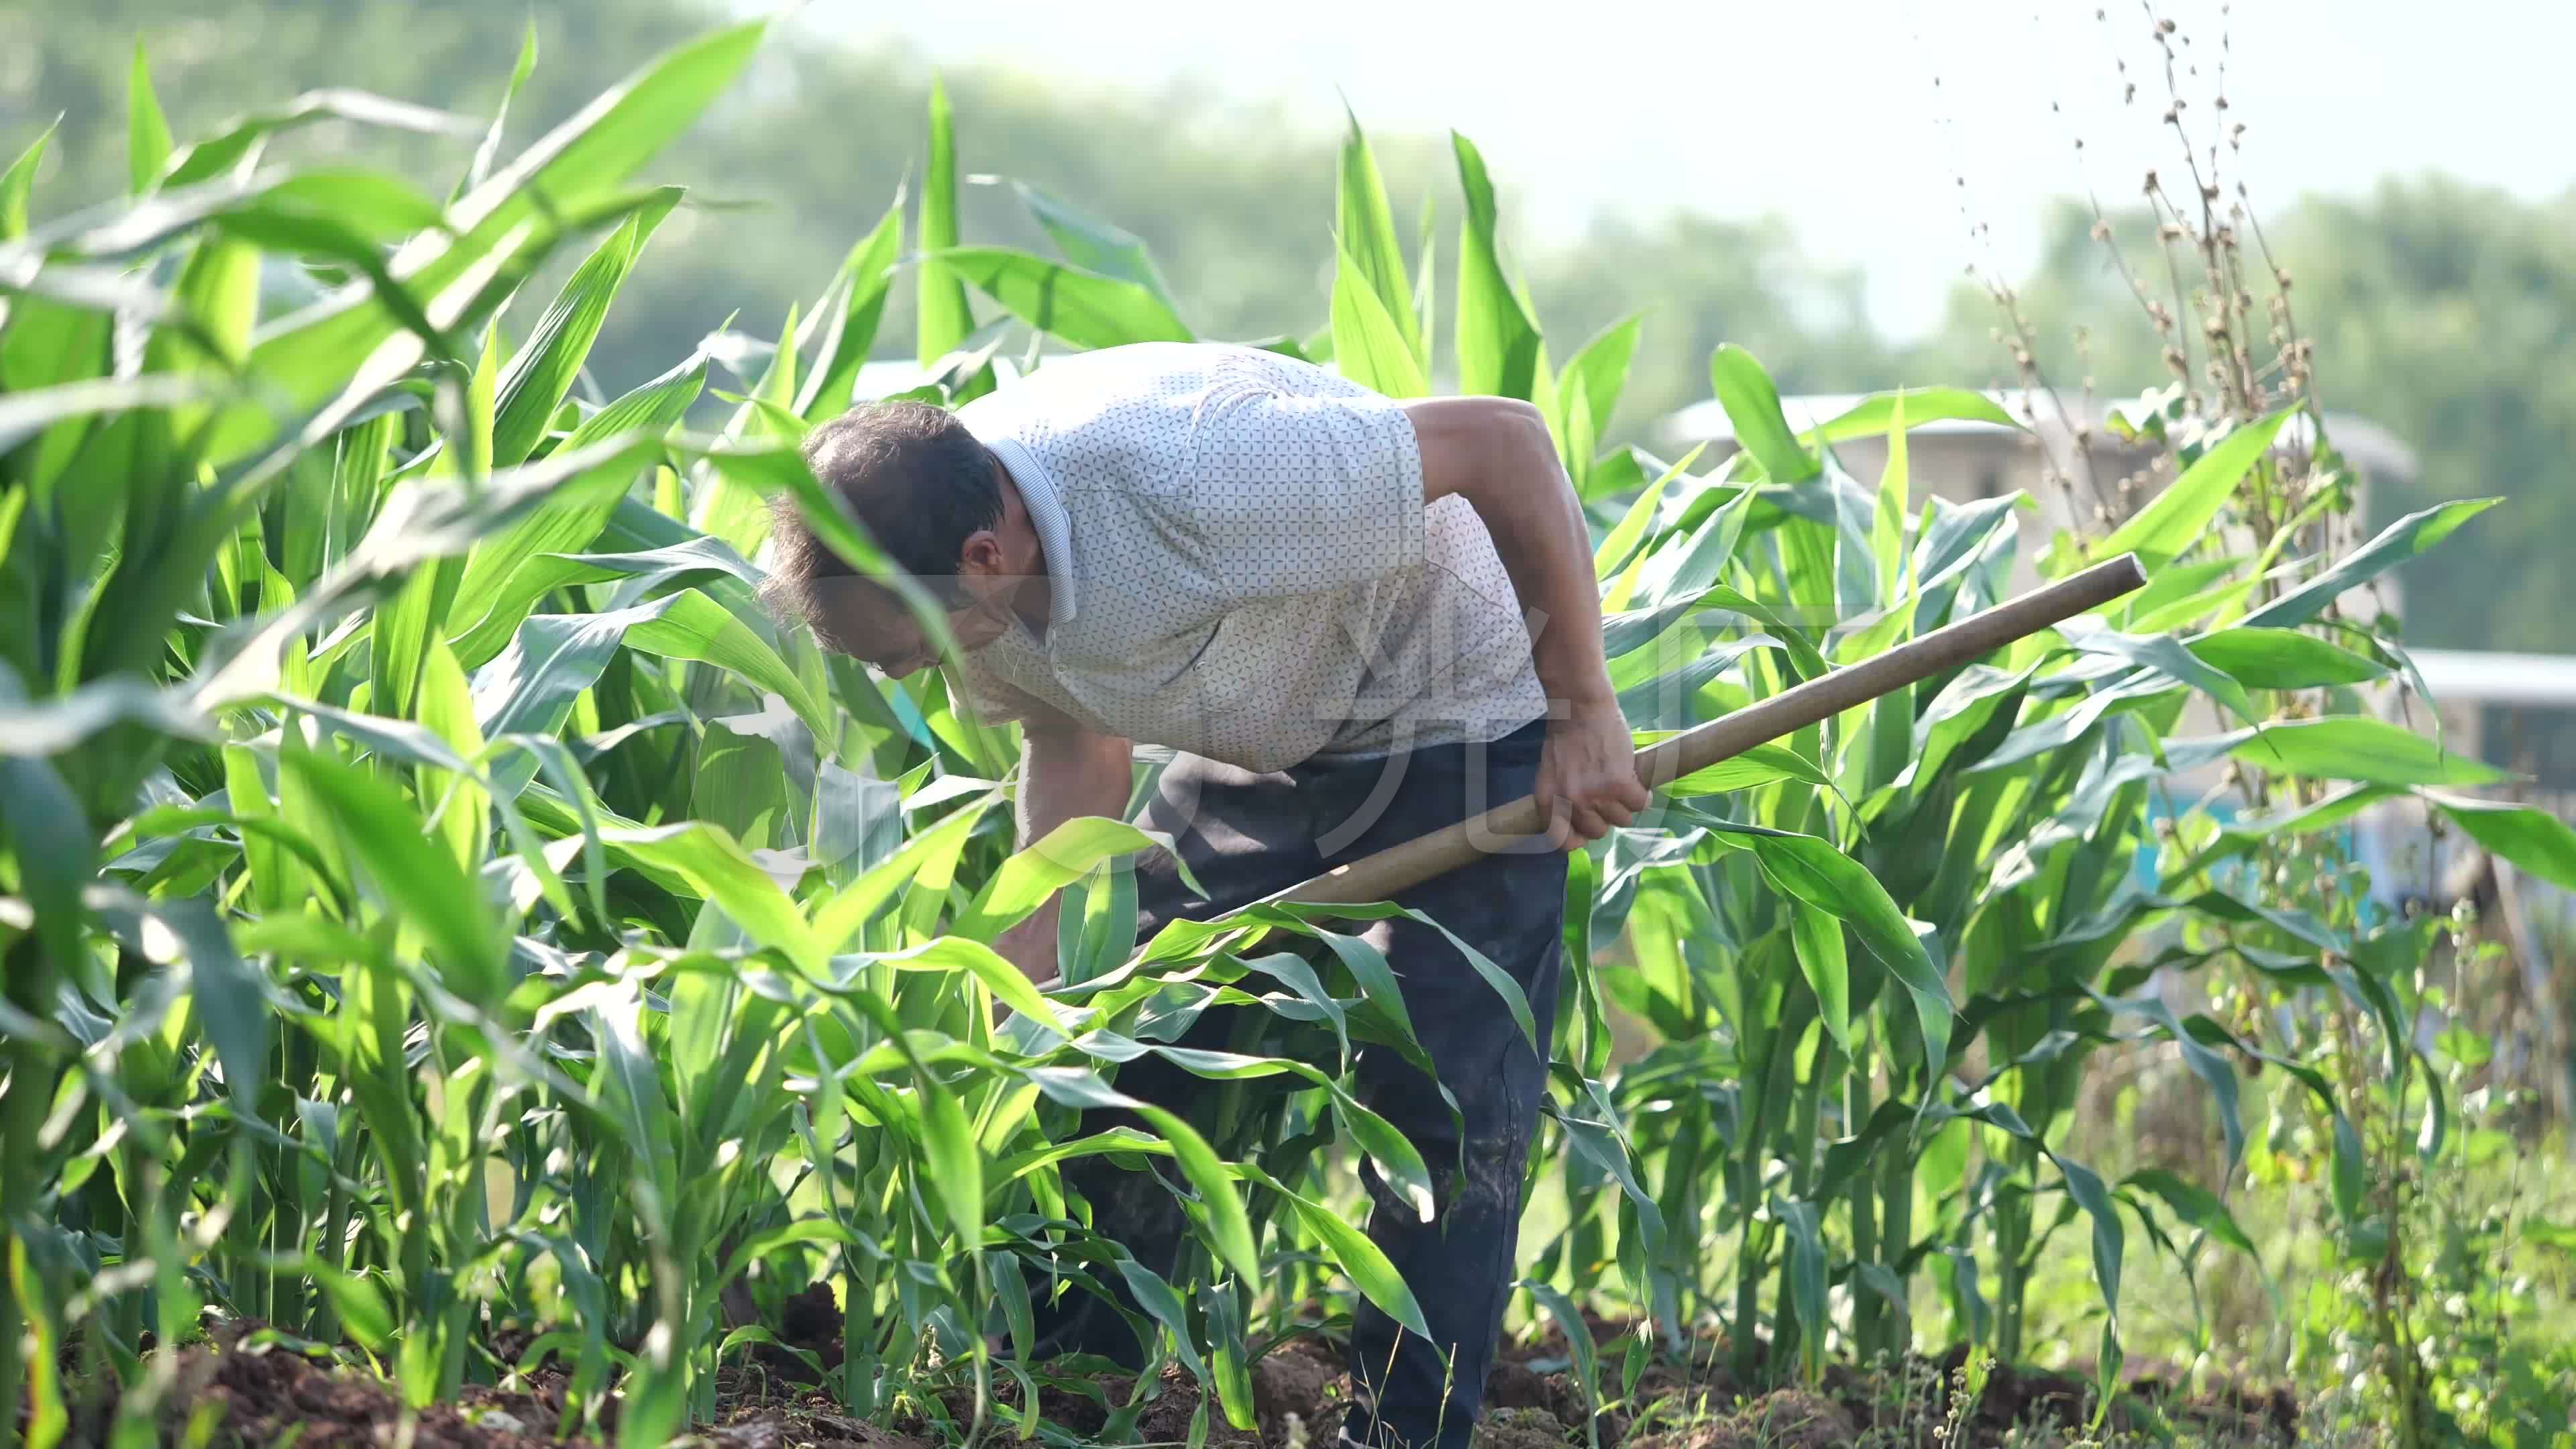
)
(2398, 542)
(1802, 652)
(418, 879)
(489, 149)
(367, 205)
(956, 1163)
(2169, 588)
(402, 633)
(2347, 1169)
(1229, 1228)
(541, 372)
(2181, 515)
(529, 688)
(959, 952)
(868, 275)
(1887, 522)
(1374, 977)
(2533, 839)
(2343, 747)
(1586, 394)
(1515, 1001)
(944, 319)
(728, 504)
(1881, 412)
(28, 413)
(577, 169)
(1426, 281)
(360, 1304)
(1689, 572)
(1621, 542)
(2109, 1238)
(1164, 1306)
(1230, 1354)
(1578, 1339)
(1807, 1283)
(1819, 938)
(447, 707)
(1399, 1163)
(217, 303)
(1373, 253)
(788, 1235)
(2195, 1205)
(1092, 244)
(1369, 342)
(232, 998)
(2213, 1069)
(240, 138)
(1814, 872)
(1497, 342)
(503, 578)
(1756, 767)
(689, 625)
(2166, 655)
(705, 863)
(1752, 404)
(1350, 1250)
(1086, 309)
(1029, 877)
(1096, 933)
(19, 182)
(705, 564)
(2283, 659)
(147, 131)
(1673, 697)
(42, 824)
(933, 852)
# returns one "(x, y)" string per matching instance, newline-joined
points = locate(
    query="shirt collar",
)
(1047, 516)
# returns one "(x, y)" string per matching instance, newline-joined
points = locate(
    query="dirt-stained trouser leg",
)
(1245, 835)
(1461, 1264)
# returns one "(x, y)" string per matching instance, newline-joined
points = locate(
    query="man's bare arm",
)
(1497, 454)
(1066, 772)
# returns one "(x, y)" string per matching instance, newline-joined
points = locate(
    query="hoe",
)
(1398, 867)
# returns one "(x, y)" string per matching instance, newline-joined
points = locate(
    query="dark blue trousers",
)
(1246, 835)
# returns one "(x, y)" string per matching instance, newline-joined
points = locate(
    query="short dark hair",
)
(914, 476)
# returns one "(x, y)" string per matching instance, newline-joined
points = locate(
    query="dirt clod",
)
(1708, 1434)
(812, 1319)
(1517, 1386)
(1796, 1419)
(1520, 1429)
(1296, 1381)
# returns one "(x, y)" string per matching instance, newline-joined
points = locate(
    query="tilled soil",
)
(274, 1395)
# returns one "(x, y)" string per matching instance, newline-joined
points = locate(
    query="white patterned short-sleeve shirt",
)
(1242, 566)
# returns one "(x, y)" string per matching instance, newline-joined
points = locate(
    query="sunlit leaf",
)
(1084, 308)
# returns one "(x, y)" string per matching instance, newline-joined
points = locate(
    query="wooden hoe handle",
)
(1400, 867)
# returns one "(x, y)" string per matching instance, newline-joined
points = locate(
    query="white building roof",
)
(2476, 676)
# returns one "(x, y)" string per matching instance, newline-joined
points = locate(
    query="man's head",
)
(940, 505)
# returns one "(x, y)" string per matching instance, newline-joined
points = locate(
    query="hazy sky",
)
(1827, 111)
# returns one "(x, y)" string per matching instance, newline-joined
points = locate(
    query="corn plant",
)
(440, 898)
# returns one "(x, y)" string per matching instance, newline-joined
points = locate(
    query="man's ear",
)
(981, 553)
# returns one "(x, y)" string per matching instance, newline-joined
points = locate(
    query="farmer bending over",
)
(1355, 621)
